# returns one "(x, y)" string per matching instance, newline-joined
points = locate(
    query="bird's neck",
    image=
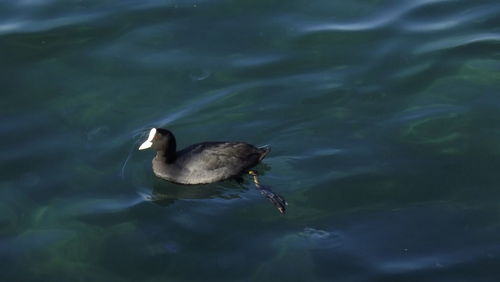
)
(166, 156)
(169, 153)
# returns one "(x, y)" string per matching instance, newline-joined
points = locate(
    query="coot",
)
(206, 162)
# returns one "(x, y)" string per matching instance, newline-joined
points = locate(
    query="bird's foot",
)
(278, 201)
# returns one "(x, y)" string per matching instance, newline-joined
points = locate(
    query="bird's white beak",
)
(148, 143)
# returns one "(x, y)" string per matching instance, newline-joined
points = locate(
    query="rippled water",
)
(383, 117)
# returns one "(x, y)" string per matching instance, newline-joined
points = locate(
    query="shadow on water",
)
(164, 193)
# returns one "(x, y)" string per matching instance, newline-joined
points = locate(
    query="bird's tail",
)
(264, 150)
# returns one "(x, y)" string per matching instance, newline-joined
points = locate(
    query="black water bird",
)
(207, 162)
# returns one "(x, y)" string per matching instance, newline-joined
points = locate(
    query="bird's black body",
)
(207, 162)
(202, 163)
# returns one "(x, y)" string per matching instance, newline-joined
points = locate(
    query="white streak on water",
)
(8, 27)
(24, 26)
(445, 23)
(382, 19)
(100, 205)
(458, 41)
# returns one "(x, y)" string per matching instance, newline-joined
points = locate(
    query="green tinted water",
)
(382, 115)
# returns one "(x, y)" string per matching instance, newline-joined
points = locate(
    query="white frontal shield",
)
(148, 143)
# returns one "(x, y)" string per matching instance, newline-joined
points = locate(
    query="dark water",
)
(383, 117)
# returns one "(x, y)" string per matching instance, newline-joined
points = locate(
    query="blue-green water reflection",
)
(382, 115)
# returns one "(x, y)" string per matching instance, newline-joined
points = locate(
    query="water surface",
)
(382, 115)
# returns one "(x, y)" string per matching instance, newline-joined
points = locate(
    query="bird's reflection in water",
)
(165, 193)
